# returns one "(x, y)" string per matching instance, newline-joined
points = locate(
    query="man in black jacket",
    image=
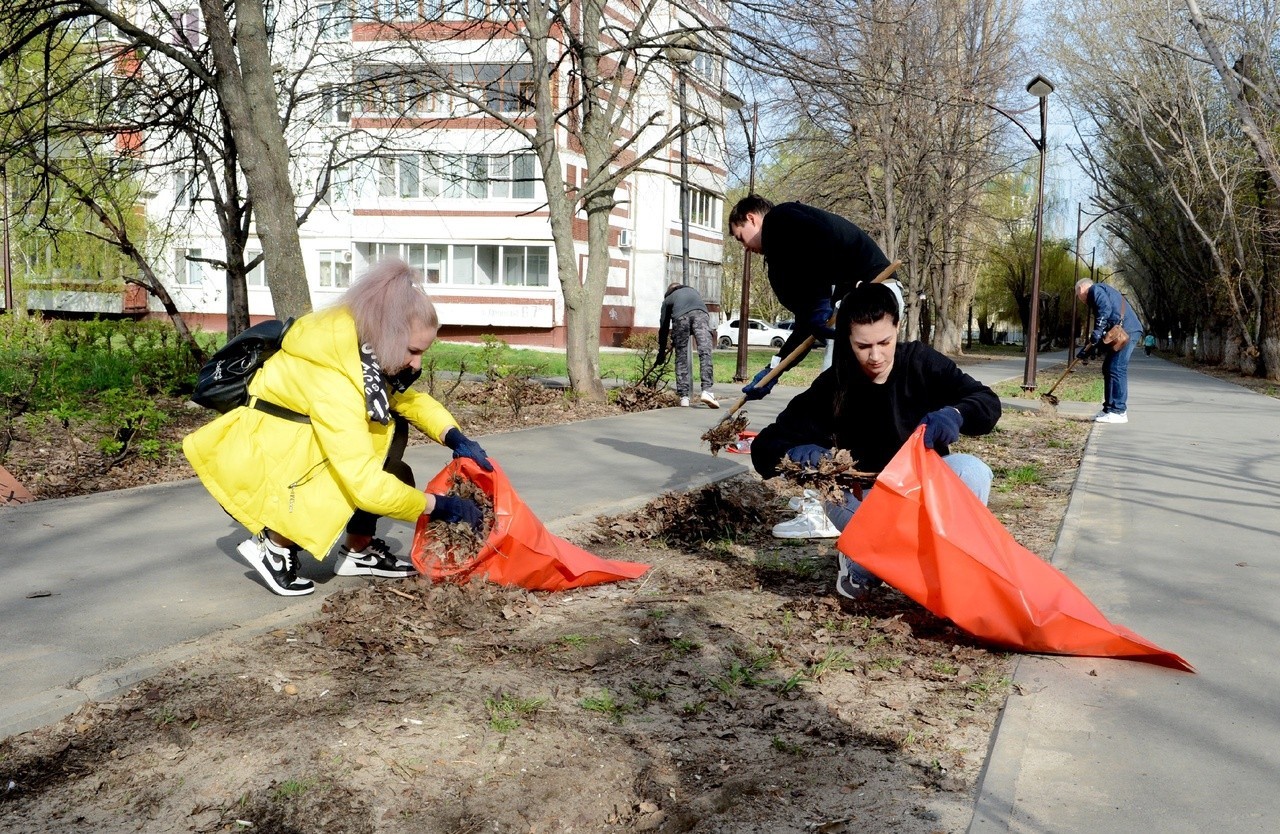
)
(870, 401)
(813, 256)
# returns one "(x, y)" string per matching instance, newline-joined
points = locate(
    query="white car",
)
(759, 334)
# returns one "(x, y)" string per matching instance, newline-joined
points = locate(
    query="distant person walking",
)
(1148, 343)
(1110, 308)
(684, 316)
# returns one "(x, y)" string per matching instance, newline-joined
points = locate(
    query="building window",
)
(189, 272)
(335, 268)
(704, 208)
(704, 276)
(388, 10)
(456, 9)
(707, 66)
(335, 20)
(403, 90)
(469, 264)
(186, 27)
(459, 176)
(257, 277)
(185, 188)
(334, 105)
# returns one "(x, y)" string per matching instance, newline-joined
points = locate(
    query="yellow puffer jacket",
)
(305, 481)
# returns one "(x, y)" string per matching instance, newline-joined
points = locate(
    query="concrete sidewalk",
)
(102, 591)
(1173, 530)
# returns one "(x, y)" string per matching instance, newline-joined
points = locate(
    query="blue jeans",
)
(1115, 375)
(973, 471)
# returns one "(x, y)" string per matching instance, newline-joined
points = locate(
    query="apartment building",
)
(418, 113)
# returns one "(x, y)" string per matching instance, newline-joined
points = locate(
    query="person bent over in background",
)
(1110, 308)
(684, 316)
(869, 402)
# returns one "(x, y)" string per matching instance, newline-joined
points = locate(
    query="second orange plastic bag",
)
(925, 533)
(519, 550)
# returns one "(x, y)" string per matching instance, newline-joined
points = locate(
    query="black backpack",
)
(223, 383)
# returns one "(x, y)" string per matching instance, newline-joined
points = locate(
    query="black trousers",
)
(364, 523)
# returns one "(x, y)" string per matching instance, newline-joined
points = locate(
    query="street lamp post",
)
(1040, 87)
(741, 372)
(8, 267)
(681, 52)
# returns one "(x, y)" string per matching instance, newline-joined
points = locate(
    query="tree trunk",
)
(247, 90)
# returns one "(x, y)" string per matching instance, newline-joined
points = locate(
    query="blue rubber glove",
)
(818, 320)
(810, 454)
(754, 391)
(464, 447)
(941, 427)
(452, 509)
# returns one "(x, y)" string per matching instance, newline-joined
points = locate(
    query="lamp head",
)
(682, 48)
(1040, 86)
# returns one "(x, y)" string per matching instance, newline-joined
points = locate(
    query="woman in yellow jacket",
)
(319, 447)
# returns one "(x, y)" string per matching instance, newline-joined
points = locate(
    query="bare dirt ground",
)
(728, 690)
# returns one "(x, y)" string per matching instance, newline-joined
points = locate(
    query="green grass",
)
(506, 711)
(1080, 386)
(614, 365)
(605, 703)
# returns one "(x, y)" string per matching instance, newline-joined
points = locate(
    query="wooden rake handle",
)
(804, 347)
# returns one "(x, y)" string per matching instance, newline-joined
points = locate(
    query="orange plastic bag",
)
(925, 533)
(519, 550)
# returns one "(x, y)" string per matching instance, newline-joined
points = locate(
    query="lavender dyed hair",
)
(387, 302)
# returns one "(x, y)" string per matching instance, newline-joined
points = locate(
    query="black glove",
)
(452, 509)
(754, 390)
(810, 454)
(464, 447)
(1087, 352)
(818, 320)
(941, 427)
(661, 358)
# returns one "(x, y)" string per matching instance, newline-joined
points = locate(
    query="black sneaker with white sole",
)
(278, 566)
(375, 560)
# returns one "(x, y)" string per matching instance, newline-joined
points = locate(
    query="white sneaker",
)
(797, 501)
(684, 402)
(1112, 417)
(812, 523)
(710, 399)
(853, 581)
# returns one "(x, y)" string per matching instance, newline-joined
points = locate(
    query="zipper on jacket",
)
(306, 476)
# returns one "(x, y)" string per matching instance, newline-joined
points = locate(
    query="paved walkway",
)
(1171, 531)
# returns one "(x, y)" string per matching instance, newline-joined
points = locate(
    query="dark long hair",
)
(866, 303)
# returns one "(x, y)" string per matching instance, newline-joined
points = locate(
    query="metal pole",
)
(1033, 322)
(684, 185)
(1071, 339)
(745, 307)
(8, 267)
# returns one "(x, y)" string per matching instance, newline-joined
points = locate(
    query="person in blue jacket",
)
(813, 258)
(1110, 308)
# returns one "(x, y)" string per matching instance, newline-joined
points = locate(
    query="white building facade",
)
(418, 172)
